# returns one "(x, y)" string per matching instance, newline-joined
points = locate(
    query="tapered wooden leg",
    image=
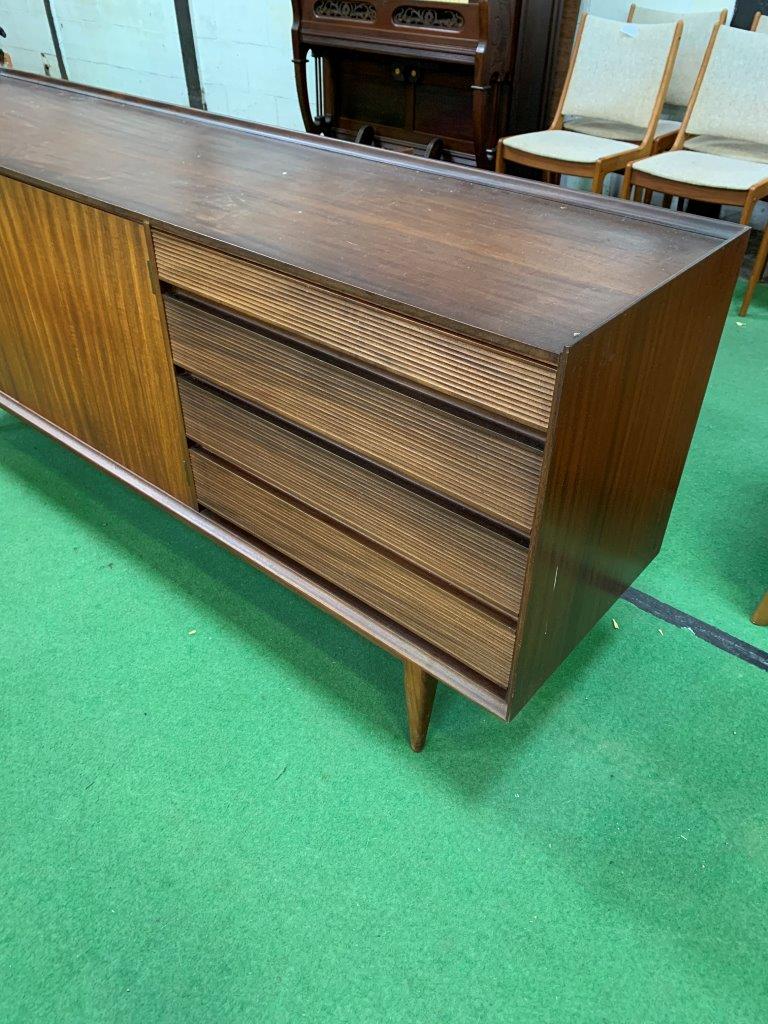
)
(666, 201)
(760, 617)
(757, 273)
(419, 697)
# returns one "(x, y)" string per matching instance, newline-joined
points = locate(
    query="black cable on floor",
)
(703, 630)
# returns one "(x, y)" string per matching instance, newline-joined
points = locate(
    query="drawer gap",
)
(444, 360)
(471, 463)
(417, 570)
(449, 621)
(499, 693)
(507, 428)
(439, 499)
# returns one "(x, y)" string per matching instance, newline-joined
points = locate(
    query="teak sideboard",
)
(449, 407)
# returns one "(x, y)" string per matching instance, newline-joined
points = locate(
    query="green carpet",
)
(714, 560)
(209, 812)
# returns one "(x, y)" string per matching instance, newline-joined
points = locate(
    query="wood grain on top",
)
(524, 264)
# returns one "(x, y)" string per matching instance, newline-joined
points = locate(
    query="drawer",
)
(458, 550)
(485, 469)
(448, 621)
(492, 379)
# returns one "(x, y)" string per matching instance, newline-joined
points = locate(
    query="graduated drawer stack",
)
(396, 461)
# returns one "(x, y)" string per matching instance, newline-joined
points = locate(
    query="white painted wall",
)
(125, 45)
(244, 54)
(29, 39)
(618, 9)
(243, 50)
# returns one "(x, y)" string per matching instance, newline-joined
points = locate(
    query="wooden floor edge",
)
(373, 628)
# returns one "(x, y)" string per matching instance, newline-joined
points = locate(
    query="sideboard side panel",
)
(630, 398)
(82, 335)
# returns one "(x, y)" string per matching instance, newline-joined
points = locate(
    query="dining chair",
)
(618, 72)
(697, 29)
(720, 154)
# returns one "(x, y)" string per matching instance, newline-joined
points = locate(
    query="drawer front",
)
(484, 469)
(464, 553)
(480, 375)
(455, 625)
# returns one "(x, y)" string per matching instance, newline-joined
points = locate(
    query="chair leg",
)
(500, 161)
(760, 616)
(638, 195)
(648, 196)
(626, 184)
(757, 273)
(419, 697)
(597, 183)
(666, 200)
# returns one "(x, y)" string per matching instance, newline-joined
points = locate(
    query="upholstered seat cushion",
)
(720, 146)
(569, 146)
(613, 130)
(706, 169)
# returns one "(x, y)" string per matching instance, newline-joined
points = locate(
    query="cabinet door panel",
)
(82, 336)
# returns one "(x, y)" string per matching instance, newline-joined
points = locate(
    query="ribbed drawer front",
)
(487, 470)
(480, 561)
(490, 378)
(446, 620)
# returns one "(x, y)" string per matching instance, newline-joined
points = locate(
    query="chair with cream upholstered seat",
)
(697, 30)
(619, 73)
(720, 154)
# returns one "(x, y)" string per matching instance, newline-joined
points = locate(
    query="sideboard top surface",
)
(502, 259)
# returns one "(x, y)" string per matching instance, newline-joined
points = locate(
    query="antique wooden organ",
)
(431, 78)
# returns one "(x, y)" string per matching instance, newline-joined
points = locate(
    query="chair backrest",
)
(731, 98)
(618, 70)
(697, 29)
(760, 24)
